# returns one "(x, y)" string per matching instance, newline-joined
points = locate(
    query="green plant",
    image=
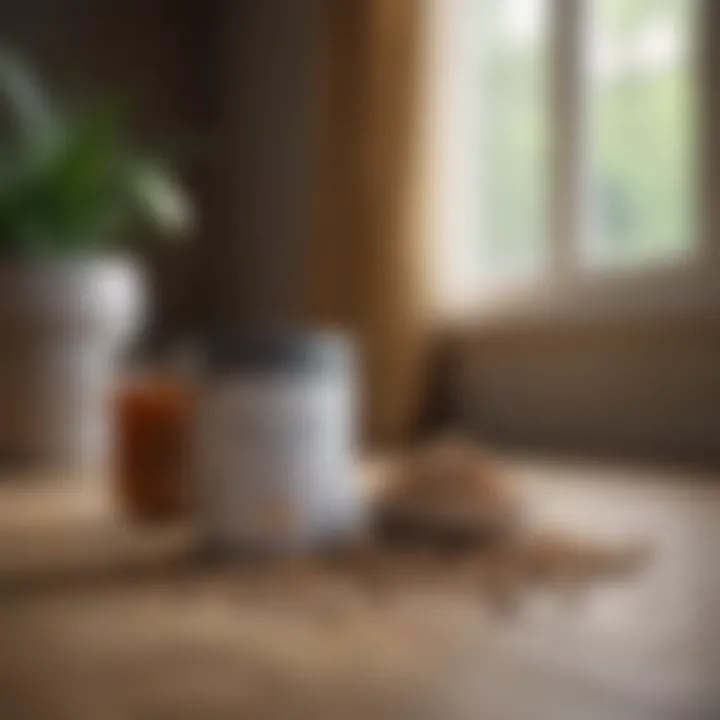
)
(70, 182)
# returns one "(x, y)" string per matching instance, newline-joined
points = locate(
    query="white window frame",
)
(570, 286)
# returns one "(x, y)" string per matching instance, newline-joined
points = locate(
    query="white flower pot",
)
(62, 326)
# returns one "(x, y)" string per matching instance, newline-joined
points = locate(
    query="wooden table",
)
(100, 620)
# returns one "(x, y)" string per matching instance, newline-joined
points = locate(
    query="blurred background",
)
(417, 170)
(520, 192)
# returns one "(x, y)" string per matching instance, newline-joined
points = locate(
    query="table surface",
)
(98, 621)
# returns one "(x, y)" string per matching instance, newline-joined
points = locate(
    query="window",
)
(583, 146)
(511, 146)
(640, 130)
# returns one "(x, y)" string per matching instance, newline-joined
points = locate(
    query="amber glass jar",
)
(154, 418)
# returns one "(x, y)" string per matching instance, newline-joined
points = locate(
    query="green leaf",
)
(75, 185)
(31, 108)
(160, 198)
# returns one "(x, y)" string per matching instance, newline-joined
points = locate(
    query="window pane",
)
(511, 134)
(641, 130)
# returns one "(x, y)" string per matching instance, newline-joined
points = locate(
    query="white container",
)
(276, 454)
(62, 325)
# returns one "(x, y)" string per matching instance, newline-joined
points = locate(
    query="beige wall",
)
(646, 387)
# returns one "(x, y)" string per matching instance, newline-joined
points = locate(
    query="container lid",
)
(282, 352)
